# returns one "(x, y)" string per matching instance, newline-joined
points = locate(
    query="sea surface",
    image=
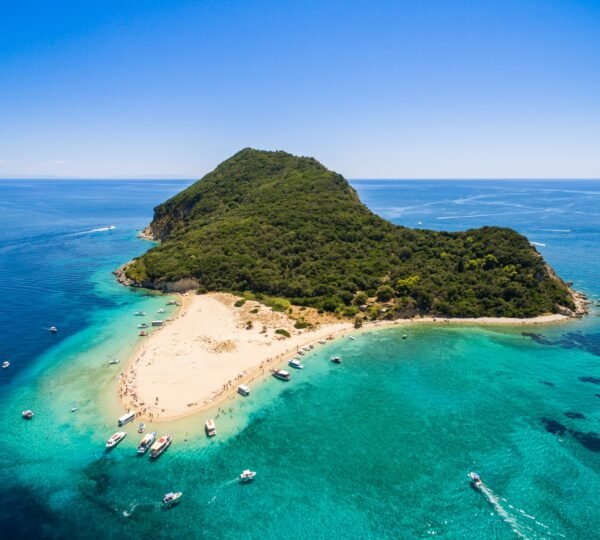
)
(377, 447)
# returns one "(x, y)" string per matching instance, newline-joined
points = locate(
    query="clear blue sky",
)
(398, 89)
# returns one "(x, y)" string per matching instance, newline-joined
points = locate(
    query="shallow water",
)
(377, 447)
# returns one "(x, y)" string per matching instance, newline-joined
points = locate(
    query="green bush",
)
(282, 332)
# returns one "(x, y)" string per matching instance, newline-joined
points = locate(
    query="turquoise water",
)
(377, 447)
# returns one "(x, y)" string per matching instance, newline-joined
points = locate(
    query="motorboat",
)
(143, 334)
(172, 498)
(53, 329)
(141, 427)
(113, 361)
(5, 364)
(157, 323)
(351, 338)
(336, 360)
(247, 476)
(243, 390)
(475, 479)
(306, 348)
(161, 310)
(281, 374)
(28, 414)
(115, 439)
(160, 446)
(296, 364)
(210, 428)
(126, 418)
(143, 325)
(300, 352)
(404, 336)
(322, 341)
(140, 313)
(146, 443)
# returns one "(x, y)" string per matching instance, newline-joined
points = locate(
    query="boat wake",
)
(92, 231)
(509, 515)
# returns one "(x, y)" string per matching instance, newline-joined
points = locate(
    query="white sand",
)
(206, 352)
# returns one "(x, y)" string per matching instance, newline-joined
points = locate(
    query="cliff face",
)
(275, 224)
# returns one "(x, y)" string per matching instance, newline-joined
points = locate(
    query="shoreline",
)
(197, 360)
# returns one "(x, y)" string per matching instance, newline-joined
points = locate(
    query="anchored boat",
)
(210, 428)
(160, 446)
(281, 374)
(5, 364)
(28, 414)
(336, 360)
(115, 439)
(295, 363)
(146, 443)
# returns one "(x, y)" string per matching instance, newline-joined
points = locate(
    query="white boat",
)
(115, 439)
(172, 498)
(141, 427)
(157, 323)
(160, 446)
(140, 313)
(281, 374)
(243, 390)
(28, 414)
(210, 428)
(53, 329)
(475, 478)
(113, 361)
(247, 476)
(126, 418)
(5, 364)
(311, 346)
(161, 310)
(143, 325)
(306, 348)
(322, 341)
(336, 360)
(351, 338)
(146, 443)
(295, 364)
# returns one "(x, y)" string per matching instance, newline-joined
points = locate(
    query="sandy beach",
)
(199, 358)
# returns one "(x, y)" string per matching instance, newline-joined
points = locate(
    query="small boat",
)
(311, 346)
(146, 443)
(281, 374)
(53, 329)
(28, 414)
(157, 323)
(143, 334)
(306, 348)
(170, 499)
(322, 341)
(172, 303)
(475, 478)
(336, 360)
(74, 408)
(210, 428)
(113, 361)
(404, 336)
(243, 390)
(5, 364)
(126, 418)
(143, 325)
(295, 364)
(247, 476)
(141, 427)
(161, 310)
(140, 314)
(351, 338)
(115, 439)
(329, 338)
(301, 353)
(160, 446)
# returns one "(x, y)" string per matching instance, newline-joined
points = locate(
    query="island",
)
(275, 252)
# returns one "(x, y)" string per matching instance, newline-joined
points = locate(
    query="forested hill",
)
(280, 225)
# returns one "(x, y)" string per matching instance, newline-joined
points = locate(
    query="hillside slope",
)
(280, 225)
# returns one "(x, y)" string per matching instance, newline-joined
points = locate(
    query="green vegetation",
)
(282, 332)
(283, 229)
(240, 302)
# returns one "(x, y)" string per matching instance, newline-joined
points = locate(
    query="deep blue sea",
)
(380, 448)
